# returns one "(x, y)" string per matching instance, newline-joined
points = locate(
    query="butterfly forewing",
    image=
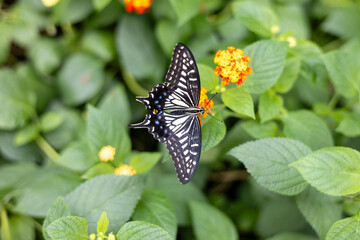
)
(183, 79)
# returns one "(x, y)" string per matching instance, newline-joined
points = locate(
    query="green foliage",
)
(210, 223)
(332, 170)
(280, 155)
(267, 160)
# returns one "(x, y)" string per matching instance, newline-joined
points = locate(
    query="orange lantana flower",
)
(139, 6)
(205, 103)
(232, 66)
(126, 170)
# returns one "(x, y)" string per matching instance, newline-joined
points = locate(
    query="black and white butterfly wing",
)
(182, 79)
(184, 144)
(156, 125)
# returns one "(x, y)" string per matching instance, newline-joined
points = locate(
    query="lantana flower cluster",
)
(205, 103)
(139, 6)
(232, 66)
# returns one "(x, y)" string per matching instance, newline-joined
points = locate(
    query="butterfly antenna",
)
(211, 114)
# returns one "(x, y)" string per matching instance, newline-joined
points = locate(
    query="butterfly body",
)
(174, 119)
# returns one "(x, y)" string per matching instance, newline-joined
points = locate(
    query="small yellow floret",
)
(50, 3)
(125, 170)
(275, 29)
(291, 41)
(107, 153)
(111, 236)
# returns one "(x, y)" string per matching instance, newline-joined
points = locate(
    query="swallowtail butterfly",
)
(174, 119)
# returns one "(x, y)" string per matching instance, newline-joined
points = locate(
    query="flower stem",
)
(48, 149)
(5, 224)
(132, 84)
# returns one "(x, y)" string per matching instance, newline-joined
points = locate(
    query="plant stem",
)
(132, 84)
(334, 100)
(48, 149)
(5, 225)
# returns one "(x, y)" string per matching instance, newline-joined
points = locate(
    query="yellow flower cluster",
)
(205, 103)
(232, 66)
(125, 170)
(139, 6)
(107, 153)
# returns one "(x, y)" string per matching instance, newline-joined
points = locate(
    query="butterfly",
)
(174, 118)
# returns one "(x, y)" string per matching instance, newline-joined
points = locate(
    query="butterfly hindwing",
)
(156, 97)
(156, 125)
(184, 146)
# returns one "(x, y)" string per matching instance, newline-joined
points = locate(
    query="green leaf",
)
(30, 81)
(258, 130)
(258, 18)
(186, 9)
(26, 135)
(267, 161)
(333, 170)
(209, 223)
(293, 19)
(155, 207)
(180, 195)
(58, 210)
(144, 161)
(43, 188)
(80, 78)
(68, 11)
(291, 236)
(74, 228)
(100, 4)
(343, 21)
(116, 195)
(350, 125)
(10, 151)
(347, 228)
(278, 216)
(270, 105)
(137, 48)
(46, 55)
(308, 128)
(98, 169)
(116, 103)
(103, 130)
(343, 72)
(208, 79)
(21, 227)
(288, 76)
(5, 41)
(320, 210)
(103, 223)
(212, 131)
(142, 230)
(240, 101)
(77, 156)
(17, 103)
(267, 62)
(11, 174)
(72, 127)
(50, 120)
(104, 42)
(312, 64)
(168, 35)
